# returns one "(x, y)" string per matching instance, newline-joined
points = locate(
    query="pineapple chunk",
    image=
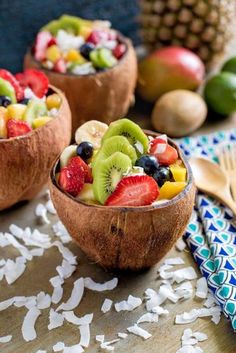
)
(171, 189)
(42, 120)
(53, 53)
(73, 55)
(85, 30)
(178, 172)
(3, 128)
(16, 111)
(86, 194)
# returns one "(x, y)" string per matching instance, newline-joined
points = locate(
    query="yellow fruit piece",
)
(53, 53)
(42, 120)
(53, 101)
(3, 113)
(3, 127)
(178, 172)
(86, 194)
(73, 55)
(16, 111)
(85, 31)
(171, 189)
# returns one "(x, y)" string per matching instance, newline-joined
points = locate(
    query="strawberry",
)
(164, 153)
(97, 36)
(52, 41)
(17, 128)
(34, 79)
(6, 75)
(119, 51)
(77, 162)
(136, 190)
(60, 66)
(71, 180)
(41, 43)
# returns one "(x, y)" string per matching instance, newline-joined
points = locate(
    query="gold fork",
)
(227, 159)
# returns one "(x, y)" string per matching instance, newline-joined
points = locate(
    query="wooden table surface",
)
(165, 335)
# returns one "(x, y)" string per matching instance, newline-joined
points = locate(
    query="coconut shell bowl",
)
(104, 96)
(126, 238)
(26, 160)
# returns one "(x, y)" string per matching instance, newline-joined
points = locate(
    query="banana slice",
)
(67, 154)
(91, 131)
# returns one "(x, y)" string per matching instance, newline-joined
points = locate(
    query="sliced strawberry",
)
(77, 162)
(71, 180)
(60, 66)
(119, 50)
(52, 41)
(164, 153)
(137, 190)
(34, 79)
(17, 128)
(41, 43)
(6, 75)
(97, 36)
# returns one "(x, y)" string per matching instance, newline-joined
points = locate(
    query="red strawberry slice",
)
(71, 180)
(41, 44)
(119, 51)
(136, 190)
(52, 41)
(60, 66)
(17, 128)
(164, 153)
(97, 36)
(6, 75)
(34, 79)
(78, 163)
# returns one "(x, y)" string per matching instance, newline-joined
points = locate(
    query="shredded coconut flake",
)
(180, 244)
(138, 331)
(76, 296)
(106, 306)
(43, 300)
(202, 288)
(66, 269)
(174, 261)
(6, 303)
(122, 335)
(59, 346)
(5, 339)
(41, 212)
(72, 318)
(129, 305)
(28, 330)
(55, 319)
(13, 270)
(148, 317)
(60, 231)
(66, 253)
(50, 208)
(84, 335)
(100, 338)
(100, 287)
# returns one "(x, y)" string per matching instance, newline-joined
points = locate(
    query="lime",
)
(230, 65)
(220, 93)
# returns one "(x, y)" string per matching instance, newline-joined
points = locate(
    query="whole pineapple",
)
(203, 26)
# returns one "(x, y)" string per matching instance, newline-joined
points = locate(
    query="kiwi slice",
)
(6, 89)
(35, 109)
(116, 144)
(94, 57)
(106, 59)
(107, 174)
(127, 128)
(53, 27)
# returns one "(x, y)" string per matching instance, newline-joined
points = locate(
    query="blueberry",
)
(162, 175)
(148, 163)
(5, 101)
(85, 49)
(24, 101)
(85, 150)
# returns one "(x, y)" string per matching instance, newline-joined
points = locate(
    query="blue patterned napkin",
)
(211, 233)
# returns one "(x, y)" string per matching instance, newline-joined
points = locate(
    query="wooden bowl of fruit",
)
(95, 66)
(125, 195)
(35, 126)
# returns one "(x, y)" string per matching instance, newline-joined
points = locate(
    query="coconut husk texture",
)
(26, 160)
(125, 238)
(104, 96)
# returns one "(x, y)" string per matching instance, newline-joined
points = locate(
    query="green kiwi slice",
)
(116, 144)
(107, 173)
(127, 128)
(106, 59)
(35, 109)
(6, 89)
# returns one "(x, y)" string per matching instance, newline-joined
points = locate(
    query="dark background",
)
(20, 21)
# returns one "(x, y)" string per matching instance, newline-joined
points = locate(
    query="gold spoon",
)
(210, 178)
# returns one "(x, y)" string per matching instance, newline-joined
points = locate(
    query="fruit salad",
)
(120, 165)
(73, 45)
(26, 102)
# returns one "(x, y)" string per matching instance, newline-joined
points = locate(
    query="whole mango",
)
(168, 69)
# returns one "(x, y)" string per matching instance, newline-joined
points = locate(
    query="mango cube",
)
(170, 189)
(53, 101)
(53, 53)
(42, 120)
(179, 173)
(73, 55)
(16, 111)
